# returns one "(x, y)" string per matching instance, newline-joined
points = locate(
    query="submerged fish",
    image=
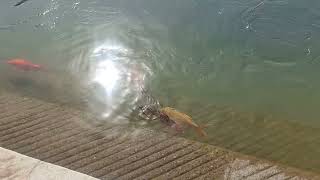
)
(25, 65)
(177, 119)
(20, 2)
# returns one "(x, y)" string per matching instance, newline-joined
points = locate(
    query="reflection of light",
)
(107, 75)
(118, 79)
(108, 48)
(112, 51)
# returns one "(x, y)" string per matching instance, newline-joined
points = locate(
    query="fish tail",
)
(37, 67)
(200, 131)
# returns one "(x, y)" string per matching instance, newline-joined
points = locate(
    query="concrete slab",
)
(15, 166)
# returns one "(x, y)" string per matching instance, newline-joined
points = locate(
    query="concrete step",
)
(15, 166)
(66, 137)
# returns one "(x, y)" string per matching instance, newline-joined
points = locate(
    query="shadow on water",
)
(46, 85)
(27, 86)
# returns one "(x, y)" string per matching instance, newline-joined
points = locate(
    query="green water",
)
(247, 69)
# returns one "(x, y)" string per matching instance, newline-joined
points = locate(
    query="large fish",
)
(177, 119)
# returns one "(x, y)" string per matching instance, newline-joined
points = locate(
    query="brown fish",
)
(181, 118)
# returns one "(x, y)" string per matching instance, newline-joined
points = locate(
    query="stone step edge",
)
(15, 166)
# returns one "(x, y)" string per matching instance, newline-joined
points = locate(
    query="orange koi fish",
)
(24, 65)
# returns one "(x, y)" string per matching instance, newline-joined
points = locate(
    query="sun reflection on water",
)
(116, 80)
(107, 75)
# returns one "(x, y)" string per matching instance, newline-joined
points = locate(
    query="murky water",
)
(247, 69)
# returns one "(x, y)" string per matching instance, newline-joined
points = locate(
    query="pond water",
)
(246, 69)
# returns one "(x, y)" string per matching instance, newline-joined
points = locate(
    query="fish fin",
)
(200, 131)
(20, 2)
(203, 126)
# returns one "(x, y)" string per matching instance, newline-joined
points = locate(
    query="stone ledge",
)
(15, 166)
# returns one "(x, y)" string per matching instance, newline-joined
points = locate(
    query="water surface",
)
(247, 69)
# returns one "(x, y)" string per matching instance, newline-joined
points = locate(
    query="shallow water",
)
(247, 69)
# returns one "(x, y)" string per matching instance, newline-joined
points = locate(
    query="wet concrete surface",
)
(62, 136)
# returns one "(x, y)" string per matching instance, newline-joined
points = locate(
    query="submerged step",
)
(64, 136)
